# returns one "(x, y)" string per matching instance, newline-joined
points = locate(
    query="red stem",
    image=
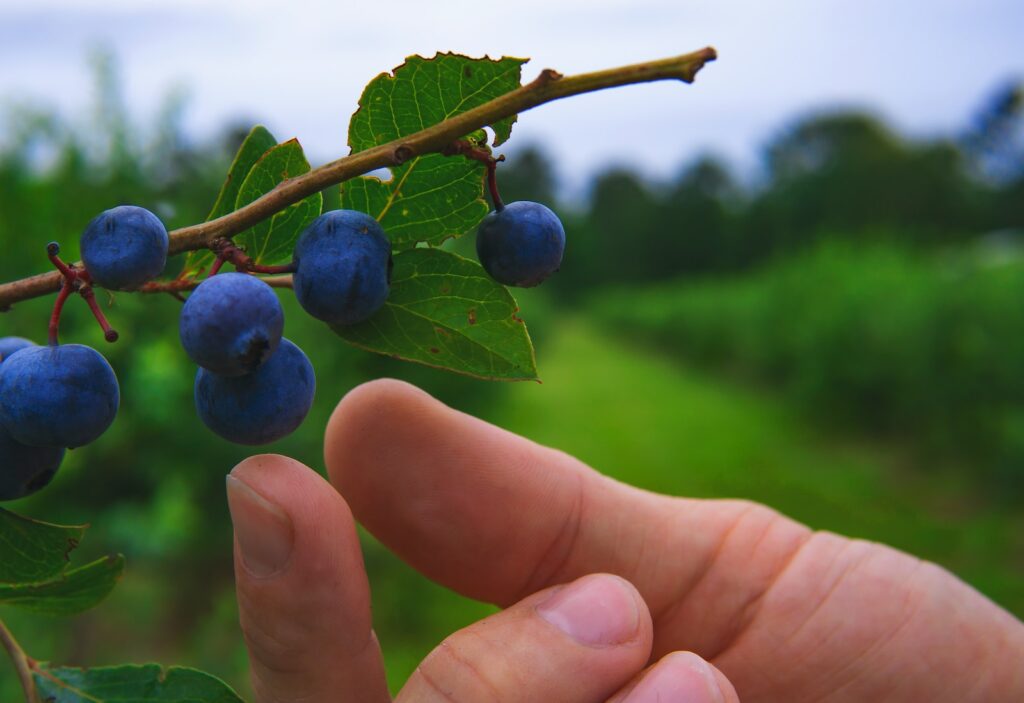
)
(492, 183)
(109, 333)
(463, 147)
(58, 305)
(284, 268)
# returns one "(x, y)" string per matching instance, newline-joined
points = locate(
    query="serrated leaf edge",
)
(391, 76)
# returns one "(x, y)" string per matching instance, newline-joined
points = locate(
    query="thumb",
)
(303, 596)
(679, 676)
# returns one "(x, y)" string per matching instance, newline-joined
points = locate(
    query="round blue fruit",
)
(64, 396)
(262, 407)
(231, 324)
(124, 247)
(9, 345)
(522, 244)
(23, 469)
(342, 267)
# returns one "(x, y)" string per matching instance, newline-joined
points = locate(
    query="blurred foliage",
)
(875, 338)
(906, 322)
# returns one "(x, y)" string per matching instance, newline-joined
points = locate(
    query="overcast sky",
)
(299, 66)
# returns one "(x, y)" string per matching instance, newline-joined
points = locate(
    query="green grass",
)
(655, 423)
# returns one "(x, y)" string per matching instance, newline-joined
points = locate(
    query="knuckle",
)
(452, 675)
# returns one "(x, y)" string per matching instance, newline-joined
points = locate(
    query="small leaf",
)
(432, 197)
(271, 241)
(71, 592)
(130, 684)
(257, 143)
(445, 311)
(33, 551)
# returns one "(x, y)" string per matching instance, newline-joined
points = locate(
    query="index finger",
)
(497, 517)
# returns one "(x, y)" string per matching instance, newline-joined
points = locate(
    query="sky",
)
(299, 66)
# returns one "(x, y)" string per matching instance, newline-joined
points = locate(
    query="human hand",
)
(785, 613)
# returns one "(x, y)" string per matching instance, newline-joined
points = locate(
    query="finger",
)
(682, 677)
(574, 643)
(303, 597)
(496, 517)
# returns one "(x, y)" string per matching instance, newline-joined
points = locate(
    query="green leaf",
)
(259, 142)
(445, 311)
(432, 197)
(34, 574)
(130, 684)
(69, 593)
(32, 551)
(255, 145)
(271, 241)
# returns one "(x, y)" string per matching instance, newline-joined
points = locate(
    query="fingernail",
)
(681, 677)
(594, 610)
(262, 529)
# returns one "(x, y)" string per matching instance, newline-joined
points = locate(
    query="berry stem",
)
(464, 147)
(215, 269)
(22, 664)
(284, 268)
(52, 252)
(492, 183)
(58, 306)
(75, 279)
(109, 333)
(185, 284)
(229, 252)
(547, 87)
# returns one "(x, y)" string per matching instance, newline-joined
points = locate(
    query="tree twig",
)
(182, 284)
(547, 87)
(21, 663)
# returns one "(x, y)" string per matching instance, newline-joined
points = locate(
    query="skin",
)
(727, 599)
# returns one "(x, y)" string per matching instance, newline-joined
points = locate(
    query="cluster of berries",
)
(253, 386)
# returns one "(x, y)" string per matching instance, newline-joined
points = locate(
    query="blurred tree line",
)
(833, 175)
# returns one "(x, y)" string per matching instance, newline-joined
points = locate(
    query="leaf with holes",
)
(148, 683)
(431, 197)
(255, 145)
(445, 311)
(271, 242)
(35, 573)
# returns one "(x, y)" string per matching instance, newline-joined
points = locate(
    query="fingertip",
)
(599, 610)
(679, 676)
(367, 412)
(303, 596)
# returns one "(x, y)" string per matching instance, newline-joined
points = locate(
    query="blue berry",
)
(231, 324)
(124, 247)
(522, 244)
(64, 396)
(262, 407)
(24, 470)
(343, 267)
(9, 345)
